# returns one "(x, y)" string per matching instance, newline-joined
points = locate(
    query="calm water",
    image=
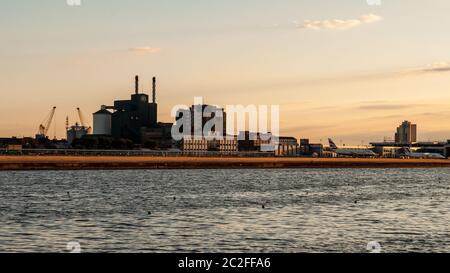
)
(221, 210)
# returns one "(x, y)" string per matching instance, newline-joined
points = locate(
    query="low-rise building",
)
(256, 142)
(194, 145)
(287, 146)
(392, 149)
(157, 138)
(447, 149)
(312, 149)
(229, 144)
(14, 142)
(225, 145)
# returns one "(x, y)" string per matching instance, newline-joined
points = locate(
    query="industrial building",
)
(129, 117)
(159, 137)
(102, 122)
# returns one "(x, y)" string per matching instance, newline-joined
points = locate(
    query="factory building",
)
(129, 117)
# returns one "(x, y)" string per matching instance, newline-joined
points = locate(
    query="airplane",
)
(350, 152)
(406, 152)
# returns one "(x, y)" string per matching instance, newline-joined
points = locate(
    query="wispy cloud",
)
(435, 68)
(390, 106)
(383, 107)
(145, 49)
(380, 118)
(338, 24)
(438, 67)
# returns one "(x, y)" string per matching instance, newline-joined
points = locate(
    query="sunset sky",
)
(339, 69)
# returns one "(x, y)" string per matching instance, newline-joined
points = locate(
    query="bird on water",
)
(69, 198)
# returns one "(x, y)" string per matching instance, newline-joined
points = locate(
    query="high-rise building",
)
(406, 133)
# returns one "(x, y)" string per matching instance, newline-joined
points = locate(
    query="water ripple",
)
(405, 210)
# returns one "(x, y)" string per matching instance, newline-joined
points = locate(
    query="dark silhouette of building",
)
(131, 116)
(213, 113)
(310, 149)
(158, 138)
(253, 142)
(406, 133)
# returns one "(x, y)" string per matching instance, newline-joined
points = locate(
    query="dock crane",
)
(82, 121)
(45, 125)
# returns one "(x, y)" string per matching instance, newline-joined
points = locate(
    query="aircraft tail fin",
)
(333, 145)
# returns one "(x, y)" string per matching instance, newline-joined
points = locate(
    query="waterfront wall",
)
(18, 163)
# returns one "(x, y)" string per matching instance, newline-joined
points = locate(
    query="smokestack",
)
(136, 84)
(154, 89)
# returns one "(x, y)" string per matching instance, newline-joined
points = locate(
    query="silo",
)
(102, 122)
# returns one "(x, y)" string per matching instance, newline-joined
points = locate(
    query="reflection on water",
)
(222, 210)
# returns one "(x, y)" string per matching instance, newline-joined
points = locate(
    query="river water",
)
(305, 210)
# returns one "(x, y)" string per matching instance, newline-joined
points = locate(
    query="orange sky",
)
(350, 72)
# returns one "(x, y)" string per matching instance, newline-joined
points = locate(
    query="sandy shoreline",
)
(18, 163)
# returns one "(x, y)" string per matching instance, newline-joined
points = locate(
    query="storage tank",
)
(102, 122)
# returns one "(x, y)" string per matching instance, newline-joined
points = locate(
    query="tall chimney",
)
(136, 84)
(154, 89)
